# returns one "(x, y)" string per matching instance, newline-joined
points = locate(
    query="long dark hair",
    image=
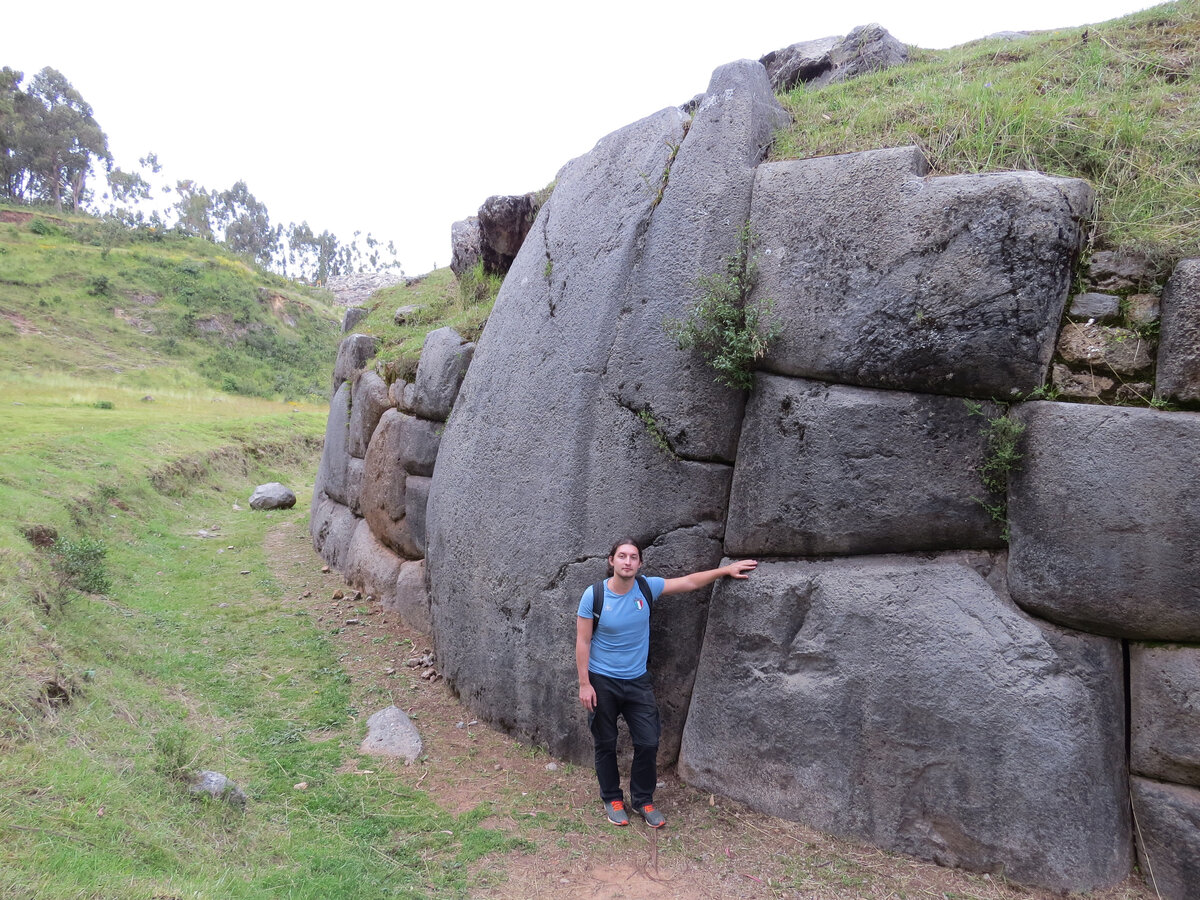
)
(621, 543)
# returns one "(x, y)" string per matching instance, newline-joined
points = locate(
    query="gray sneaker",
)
(653, 817)
(616, 812)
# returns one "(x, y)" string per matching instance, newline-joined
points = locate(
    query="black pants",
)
(633, 699)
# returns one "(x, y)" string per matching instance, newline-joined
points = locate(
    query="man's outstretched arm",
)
(740, 569)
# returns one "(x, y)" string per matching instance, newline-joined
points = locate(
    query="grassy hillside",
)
(144, 310)
(1117, 104)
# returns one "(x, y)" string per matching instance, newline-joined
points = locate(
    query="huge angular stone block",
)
(705, 202)
(410, 600)
(1168, 817)
(1104, 517)
(1179, 349)
(907, 703)
(542, 465)
(353, 353)
(834, 469)
(445, 356)
(368, 400)
(332, 527)
(385, 486)
(885, 277)
(1164, 701)
(369, 566)
(335, 452)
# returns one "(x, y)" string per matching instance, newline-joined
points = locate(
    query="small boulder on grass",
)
(272, 496)
(217, 786)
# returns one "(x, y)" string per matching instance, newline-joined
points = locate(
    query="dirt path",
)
(711, 849)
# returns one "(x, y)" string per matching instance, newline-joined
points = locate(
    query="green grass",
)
(442, 301)
(146, 311)
(1117, 104)
(186, 663)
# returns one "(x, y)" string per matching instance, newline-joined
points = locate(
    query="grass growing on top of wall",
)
(1117, 104)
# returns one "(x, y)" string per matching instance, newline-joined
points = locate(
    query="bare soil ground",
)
(711, 849)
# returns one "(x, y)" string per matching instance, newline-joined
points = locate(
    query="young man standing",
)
(611, 658)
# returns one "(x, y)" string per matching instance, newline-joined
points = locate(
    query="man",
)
(611, 659)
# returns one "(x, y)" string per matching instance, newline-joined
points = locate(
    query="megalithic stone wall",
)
(875, 676)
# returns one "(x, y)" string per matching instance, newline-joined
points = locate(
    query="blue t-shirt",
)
(621, 642)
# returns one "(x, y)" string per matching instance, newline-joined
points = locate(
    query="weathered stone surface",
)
(503, 224)
(369, 566)
(464, 245)
(1135, 392)
(907, 703)
(1168, 819)
(1110, 349)
(445, 356)
(1142, 309)
(798, 63)
(368, 400)
(410, 600)
(957, 285)
(1110, 270)
(335, 453)
(1164, 696)
(353, 316)
(416, 499)
(272, 495)
(385, 487)
(833, 469)
(1104, 518)
(1080, 385)
(332, 528)
(419, 442)
(391, 733)
(867, 48)
(1179, 350)
(354, 352)
(541, 468)
(692, 230)
(1095, 306)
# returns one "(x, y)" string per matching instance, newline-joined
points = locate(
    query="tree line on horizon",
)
(53, 153)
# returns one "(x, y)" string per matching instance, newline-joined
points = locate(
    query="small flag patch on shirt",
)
(639, 603)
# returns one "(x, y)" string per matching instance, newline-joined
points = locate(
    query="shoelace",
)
(618, 805)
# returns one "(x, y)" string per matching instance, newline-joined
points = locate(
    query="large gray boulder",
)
(1164, 712)
(368, 400)
(464, 245)
(833, 469)
(798, 63)
(884, 277)
(541, 466)
(369, 566)
(1168, 818)
(354, 352)
(445, 356)
(503, 224)
(907, 703)
(867, 48)
(1104, 517)
(694, 227)
(1179, 350)
(272, 495)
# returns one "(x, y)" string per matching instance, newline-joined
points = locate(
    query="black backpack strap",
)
(597, 604)
(646, 592)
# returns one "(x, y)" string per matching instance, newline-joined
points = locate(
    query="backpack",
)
(598, 599)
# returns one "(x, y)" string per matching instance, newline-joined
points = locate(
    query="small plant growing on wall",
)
(1001, 459)
(730, 332)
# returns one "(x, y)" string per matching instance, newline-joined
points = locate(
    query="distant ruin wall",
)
(894, 671)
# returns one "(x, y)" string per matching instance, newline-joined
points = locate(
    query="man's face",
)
(626, 561)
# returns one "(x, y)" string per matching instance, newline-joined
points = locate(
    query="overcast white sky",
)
(399, 118)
